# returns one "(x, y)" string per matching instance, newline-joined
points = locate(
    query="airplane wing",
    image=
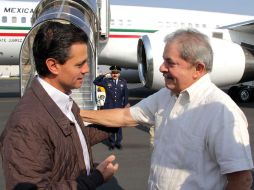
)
(247, 26)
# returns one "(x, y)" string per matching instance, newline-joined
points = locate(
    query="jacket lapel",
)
(76, 109)
(62, 121)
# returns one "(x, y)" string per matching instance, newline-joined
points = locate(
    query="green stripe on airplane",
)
(14, 28)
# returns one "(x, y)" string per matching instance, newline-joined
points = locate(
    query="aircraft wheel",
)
(244, 95)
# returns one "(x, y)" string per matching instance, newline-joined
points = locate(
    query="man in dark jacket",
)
(45, 144)
(116, 97)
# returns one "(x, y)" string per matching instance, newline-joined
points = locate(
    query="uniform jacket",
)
(40, 145)
(116, 95)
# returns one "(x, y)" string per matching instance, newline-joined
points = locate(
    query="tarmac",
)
(134, 158)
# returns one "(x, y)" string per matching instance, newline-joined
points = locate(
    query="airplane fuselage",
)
(126, 27)
(15, 22)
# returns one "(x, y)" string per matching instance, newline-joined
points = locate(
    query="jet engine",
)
(233, 63)
(89, 15)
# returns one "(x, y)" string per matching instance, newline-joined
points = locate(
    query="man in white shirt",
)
(201, 137)
(45, 144)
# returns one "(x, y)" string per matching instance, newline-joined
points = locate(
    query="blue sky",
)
(227, 6)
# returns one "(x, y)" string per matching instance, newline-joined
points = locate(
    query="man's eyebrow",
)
(168, 59)
(82, 62)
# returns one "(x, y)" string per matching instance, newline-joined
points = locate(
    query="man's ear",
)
(52, 65)
(200, 69)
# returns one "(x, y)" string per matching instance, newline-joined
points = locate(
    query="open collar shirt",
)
(65, 102)
(199, 136)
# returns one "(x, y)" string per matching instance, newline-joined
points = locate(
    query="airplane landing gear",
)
(241, 93)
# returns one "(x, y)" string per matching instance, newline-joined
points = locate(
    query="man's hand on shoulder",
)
(107, 167)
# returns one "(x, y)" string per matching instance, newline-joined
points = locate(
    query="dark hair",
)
(53, 40)
(193, 46)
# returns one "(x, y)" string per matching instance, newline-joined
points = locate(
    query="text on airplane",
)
(18, 10)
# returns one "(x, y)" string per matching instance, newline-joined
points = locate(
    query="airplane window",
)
(160, 24)
(197, 25)
(129, 22)
(4, 19)
(204, 25)
(168, 24)
(175, 24)
(23, 19)
(190, 24)
(14, 19)
(120, 22)
(112, 22)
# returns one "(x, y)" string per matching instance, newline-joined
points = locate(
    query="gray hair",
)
(193, 46)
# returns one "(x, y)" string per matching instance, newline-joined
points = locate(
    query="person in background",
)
(201, 136)
(116, 97)
(45, 144)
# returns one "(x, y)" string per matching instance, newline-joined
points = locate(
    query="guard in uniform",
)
(116, 97)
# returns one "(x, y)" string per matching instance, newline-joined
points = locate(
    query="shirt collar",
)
(62, 100)
(197, 88)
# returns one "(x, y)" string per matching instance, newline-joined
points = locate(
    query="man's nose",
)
(162, 68)
(85, 68)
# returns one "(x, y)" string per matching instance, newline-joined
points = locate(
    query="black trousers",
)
(116, 137)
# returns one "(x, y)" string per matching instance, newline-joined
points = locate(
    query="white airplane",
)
(131, 26)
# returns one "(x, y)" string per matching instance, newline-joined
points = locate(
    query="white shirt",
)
(64, 102)
(115, 81)
(199, 136)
